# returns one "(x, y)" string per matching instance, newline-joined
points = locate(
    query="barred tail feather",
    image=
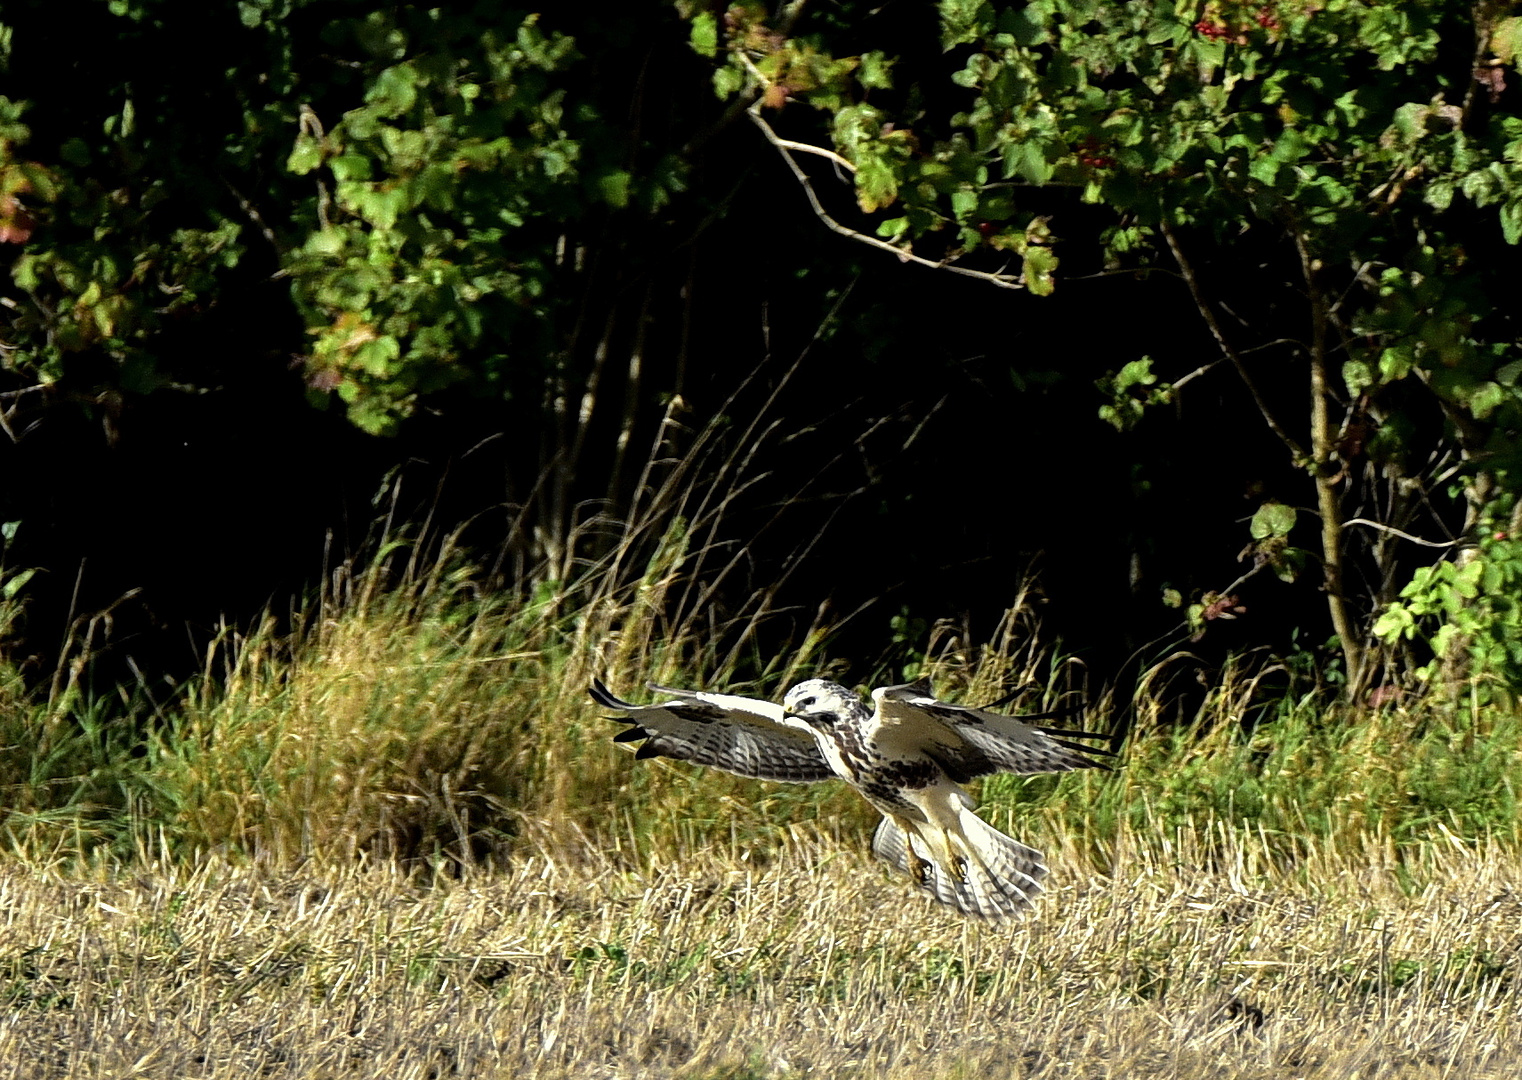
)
(1002, 876)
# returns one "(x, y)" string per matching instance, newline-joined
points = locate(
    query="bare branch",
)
(810, 148)
(254, 216)
(1203, 369)
(785, 147)
(1208, 314)
(1403, 535)
(1324, 450)
(1003, 281)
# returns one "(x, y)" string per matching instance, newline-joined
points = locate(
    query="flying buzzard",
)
(908, 757)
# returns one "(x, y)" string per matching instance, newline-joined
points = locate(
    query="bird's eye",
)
(809, 702)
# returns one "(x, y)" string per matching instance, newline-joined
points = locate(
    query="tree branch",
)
(1403, 535)
(785, 148)
(1323, 447)
(1208, 314)
(810, 148)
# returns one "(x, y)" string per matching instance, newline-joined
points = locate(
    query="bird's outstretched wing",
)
(970, 742)
(737, 734)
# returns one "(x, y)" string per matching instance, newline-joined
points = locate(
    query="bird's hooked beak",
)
(818, 721)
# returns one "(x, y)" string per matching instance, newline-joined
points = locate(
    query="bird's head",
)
(820, 705)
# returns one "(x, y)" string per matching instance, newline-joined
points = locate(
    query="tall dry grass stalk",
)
(411, 713)
(413, 709)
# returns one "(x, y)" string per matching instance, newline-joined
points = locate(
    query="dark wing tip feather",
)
(1080, 758)
(918, 686)
(1005, 700)
(1081, 749)
(629, 734)
(604, 697)
(1019, 691)
(1048, 714)
(1067, 733)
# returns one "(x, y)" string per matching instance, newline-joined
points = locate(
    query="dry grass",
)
(733, 963)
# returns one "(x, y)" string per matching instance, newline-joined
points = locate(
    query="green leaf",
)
(705, 34)
(1438, 194)
(1396, 362)
(1025, 25)
(24, 273)
(613, 188)
(1396, 621)
(1506, 39)
(963, 22)
(76, 152)
(1290, 562)
(394, 90)
(1290, 146)
(728, 81)
(375, 357)
(1026, 159)
(1411, 120)
(876, 183)
(875, 72)
(350, 167)
(328, 241)
(1272, 519)
(1487, 397)
(1358, 376)
(306, 155)
(1511, 219)
(1135, 373)
(15, 583)
(1038, 264)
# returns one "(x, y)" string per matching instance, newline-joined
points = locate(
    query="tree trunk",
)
(1328, 476)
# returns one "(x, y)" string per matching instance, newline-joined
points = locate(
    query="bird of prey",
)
(908, 756)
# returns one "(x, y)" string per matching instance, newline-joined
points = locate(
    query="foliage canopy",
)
(1338, 184)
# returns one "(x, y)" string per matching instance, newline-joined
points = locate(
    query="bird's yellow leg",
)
(942, 833)
(919, 869)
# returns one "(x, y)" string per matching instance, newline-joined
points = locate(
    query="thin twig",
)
(785, 148)
(1208, 314)
(1403, 535)
(1203, 369)
(810, 148)
(253, 214)
(1003, 281)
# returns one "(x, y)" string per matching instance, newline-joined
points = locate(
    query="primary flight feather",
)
(908, 756)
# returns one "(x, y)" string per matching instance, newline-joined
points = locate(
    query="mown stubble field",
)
(1189, 958)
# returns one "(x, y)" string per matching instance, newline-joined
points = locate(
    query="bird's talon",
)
(918, 869)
